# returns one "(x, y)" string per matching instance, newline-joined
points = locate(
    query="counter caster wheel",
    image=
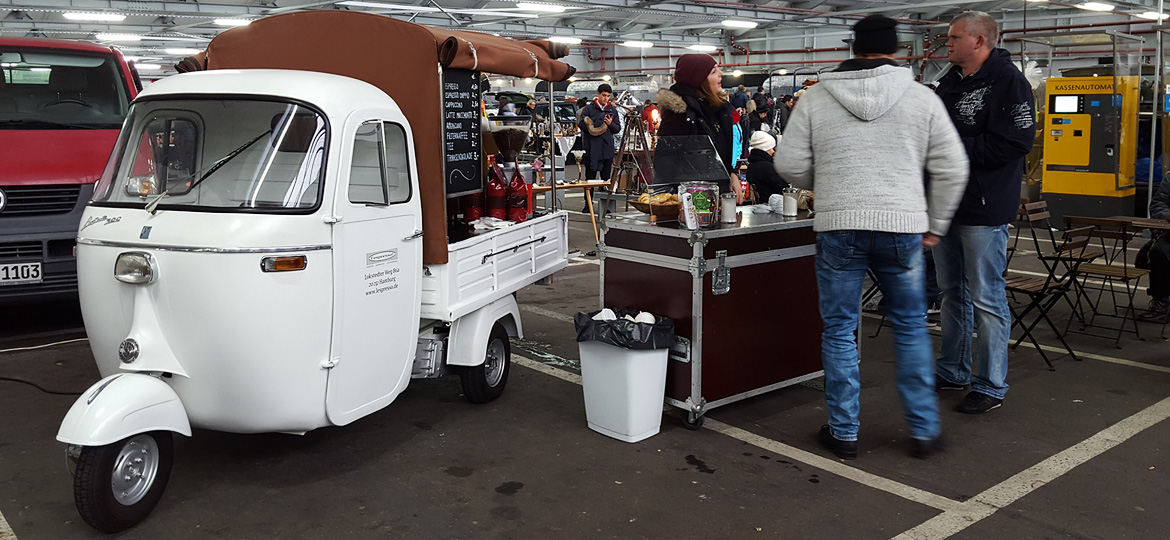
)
(484, 383)
(693, 422)
(117, 485)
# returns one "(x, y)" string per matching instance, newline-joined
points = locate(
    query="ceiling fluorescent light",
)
(117, 37)
(233, 22)
(566, 40)
(736, 73)
(99, 17)
(148, 66)
(183, 51)
(546, 8)
(1096, 6)
(132, 58)
(638, 44)
(740, 24)
(1153, 15)
(703, 48)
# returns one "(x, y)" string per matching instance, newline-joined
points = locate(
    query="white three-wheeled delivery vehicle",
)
(252, 262)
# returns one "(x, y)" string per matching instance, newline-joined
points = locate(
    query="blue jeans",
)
(896, 259)
(970, 261)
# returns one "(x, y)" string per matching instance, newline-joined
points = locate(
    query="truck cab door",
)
(377, 257)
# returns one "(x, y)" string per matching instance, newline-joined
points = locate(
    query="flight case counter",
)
(743, 296)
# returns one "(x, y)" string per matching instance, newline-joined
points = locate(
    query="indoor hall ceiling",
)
(162, 32)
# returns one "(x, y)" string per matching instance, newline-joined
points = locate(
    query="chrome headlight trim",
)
(135, 268)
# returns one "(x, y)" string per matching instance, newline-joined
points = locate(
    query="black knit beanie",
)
(875, 34)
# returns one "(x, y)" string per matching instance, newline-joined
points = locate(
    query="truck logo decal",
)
(381, 257)
(106, 220)
(145, 234)
(3, 200)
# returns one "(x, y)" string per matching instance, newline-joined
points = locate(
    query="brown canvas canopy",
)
(401, 58)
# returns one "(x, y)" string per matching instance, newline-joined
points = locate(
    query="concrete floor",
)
(1081, 452)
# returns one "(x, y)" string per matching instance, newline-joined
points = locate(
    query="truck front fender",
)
(467, 344)
(122, 405)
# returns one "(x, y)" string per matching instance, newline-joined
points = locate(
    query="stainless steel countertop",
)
(749, 223)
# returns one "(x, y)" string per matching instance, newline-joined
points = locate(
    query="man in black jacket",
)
(990, 102)
(1159, 263)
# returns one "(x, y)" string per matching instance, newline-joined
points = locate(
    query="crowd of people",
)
(948, 186)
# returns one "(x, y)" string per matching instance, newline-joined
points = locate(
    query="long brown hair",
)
(713, 97)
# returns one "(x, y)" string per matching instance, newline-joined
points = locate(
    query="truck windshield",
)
(241, 154)
(58, 89)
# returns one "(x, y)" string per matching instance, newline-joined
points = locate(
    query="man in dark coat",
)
(760, 99)
(990, 103)
(783, 112)
(740, 98)
(761, 172)
(1159, 263)
(599, 121)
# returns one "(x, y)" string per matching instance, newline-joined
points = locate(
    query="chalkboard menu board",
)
(461, 142)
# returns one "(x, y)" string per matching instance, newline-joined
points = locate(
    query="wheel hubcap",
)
(493, 365)
(134, 469)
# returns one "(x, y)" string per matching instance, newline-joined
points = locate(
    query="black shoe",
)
(841, 449)
(977, 403)
(1157, 312)
(941, 384)
(923, 449)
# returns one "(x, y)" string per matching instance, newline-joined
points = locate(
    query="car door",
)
(377, 258)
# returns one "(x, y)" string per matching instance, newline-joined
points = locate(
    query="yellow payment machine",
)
(1090, 137)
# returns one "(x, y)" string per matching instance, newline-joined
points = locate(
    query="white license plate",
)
(20, 273)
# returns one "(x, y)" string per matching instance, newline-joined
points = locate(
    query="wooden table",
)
(1144, 223)
(587, 186)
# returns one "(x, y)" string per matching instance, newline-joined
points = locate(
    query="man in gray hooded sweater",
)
(889, 169)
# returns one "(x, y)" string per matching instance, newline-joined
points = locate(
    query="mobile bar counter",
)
(743, 298)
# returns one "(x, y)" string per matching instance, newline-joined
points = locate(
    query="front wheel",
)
(117, 485)
(484, 383)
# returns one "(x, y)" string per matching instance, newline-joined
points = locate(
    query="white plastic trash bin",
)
(624, 389)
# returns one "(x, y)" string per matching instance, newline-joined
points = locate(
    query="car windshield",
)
(247, 155)
(59, 89)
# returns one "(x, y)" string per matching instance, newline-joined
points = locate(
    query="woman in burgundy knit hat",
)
(694, 106)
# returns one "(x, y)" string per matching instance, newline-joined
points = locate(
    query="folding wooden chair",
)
(1114, 268)
(1039, 223)
(1043, 294)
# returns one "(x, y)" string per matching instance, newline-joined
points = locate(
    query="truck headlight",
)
(135, 267)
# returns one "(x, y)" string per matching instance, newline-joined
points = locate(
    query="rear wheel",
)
(117, 485)
(484, 383)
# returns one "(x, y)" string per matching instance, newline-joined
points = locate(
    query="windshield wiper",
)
(153, 205)
(32, 122)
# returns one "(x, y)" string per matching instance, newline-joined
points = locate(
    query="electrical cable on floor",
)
(41, 388)
(17, 349)
(33, 384)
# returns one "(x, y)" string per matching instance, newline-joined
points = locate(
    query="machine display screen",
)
(1065, 104)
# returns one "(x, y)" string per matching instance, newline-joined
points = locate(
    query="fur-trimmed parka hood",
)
(671, 101)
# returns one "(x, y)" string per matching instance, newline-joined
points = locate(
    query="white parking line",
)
(5, 531)
(1015, 488)
(546, 313)
(857, 475)
(956, 516)
(836, 467)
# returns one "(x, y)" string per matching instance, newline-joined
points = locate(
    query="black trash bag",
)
(624, 333)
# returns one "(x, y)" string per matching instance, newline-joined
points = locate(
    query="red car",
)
(62, 104)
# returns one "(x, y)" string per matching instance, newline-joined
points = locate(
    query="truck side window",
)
(397, 163)
(367, 182)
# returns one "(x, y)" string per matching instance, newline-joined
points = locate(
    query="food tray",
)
(661, 212)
